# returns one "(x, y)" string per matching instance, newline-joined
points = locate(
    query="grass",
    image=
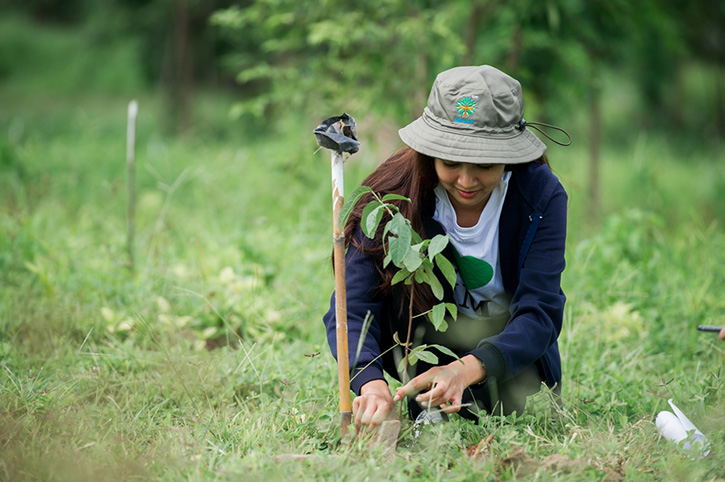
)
(204, 365)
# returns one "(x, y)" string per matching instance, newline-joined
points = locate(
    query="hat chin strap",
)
(523, 124)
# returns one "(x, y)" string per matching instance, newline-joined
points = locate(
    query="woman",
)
(473, 171)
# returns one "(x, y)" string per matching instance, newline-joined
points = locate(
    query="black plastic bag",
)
(338, 134)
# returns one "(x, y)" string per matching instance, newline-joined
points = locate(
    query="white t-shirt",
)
(483, 306)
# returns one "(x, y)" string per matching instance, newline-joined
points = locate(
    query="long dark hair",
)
(410, 174)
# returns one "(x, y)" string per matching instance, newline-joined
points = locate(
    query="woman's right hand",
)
(373, 406)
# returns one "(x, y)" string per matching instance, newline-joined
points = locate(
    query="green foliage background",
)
(203, 363)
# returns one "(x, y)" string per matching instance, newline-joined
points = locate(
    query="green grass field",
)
(202, 363)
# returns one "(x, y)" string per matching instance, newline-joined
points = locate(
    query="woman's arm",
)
(537, 305)
(361, 280)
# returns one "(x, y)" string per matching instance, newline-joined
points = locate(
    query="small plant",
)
(415, 258)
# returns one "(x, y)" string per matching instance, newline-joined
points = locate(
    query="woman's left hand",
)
(444, 384)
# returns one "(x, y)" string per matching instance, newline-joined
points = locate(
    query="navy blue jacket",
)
(531, 275)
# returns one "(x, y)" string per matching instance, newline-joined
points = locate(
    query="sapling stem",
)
(407, 345)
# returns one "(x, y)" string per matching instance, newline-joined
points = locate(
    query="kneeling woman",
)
(473, 171)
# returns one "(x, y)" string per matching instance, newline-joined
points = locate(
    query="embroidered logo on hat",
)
(466, 106)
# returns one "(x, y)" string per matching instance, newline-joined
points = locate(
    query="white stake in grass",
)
(131, 166)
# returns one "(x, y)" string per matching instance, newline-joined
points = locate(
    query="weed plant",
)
(210, 360)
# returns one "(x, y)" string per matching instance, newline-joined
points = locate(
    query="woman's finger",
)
(357, 413)
(378, 417)
(417, 384)
(455, 405)
(438, 392)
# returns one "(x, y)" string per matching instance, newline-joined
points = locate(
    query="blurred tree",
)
(180, 48)
(557, 49)
(177, 44)
(60, 11)
(701, 27)
(381, 56)
(604, 28)
(377, 56)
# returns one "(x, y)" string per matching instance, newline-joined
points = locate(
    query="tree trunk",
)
(178, 76)
(595, 128)
(517, 42)
(478, 12)
(720, 103)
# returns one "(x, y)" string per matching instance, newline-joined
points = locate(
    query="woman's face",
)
(469, 185)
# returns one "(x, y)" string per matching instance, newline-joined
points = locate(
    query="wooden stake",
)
(131, 166)
(338, 238)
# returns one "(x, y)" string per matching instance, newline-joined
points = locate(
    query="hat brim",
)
(521, 147)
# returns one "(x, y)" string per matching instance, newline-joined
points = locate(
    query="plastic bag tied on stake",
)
(678, 428)
(338, 134)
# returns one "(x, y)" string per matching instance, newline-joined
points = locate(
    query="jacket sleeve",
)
(537, 306)
(361, 280)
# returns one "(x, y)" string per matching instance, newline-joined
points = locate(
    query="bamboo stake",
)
(338, 238)
(338, 134)
(131, 166)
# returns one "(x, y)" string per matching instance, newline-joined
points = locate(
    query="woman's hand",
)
(444, 384)
(373, 406)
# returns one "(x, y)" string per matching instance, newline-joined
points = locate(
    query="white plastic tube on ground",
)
(679, 429)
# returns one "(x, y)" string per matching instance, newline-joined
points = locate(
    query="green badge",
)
(474, 272)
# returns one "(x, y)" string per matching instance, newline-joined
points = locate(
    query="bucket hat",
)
(474, 114)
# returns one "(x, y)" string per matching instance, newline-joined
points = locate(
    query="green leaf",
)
(436, 286)
(453, 310)
(446, 267)
(412, 360)
(437, 245)
(387, 260)
(386, 230)
(428, 357)
(350, 203)
(392, 197)
(400, 276)
(371, 216)
(420, 276)
(399, 246)
(445, 350)
(412, 260)
(399, 225)
(438, 316)
(397, 251)
(433, 282)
